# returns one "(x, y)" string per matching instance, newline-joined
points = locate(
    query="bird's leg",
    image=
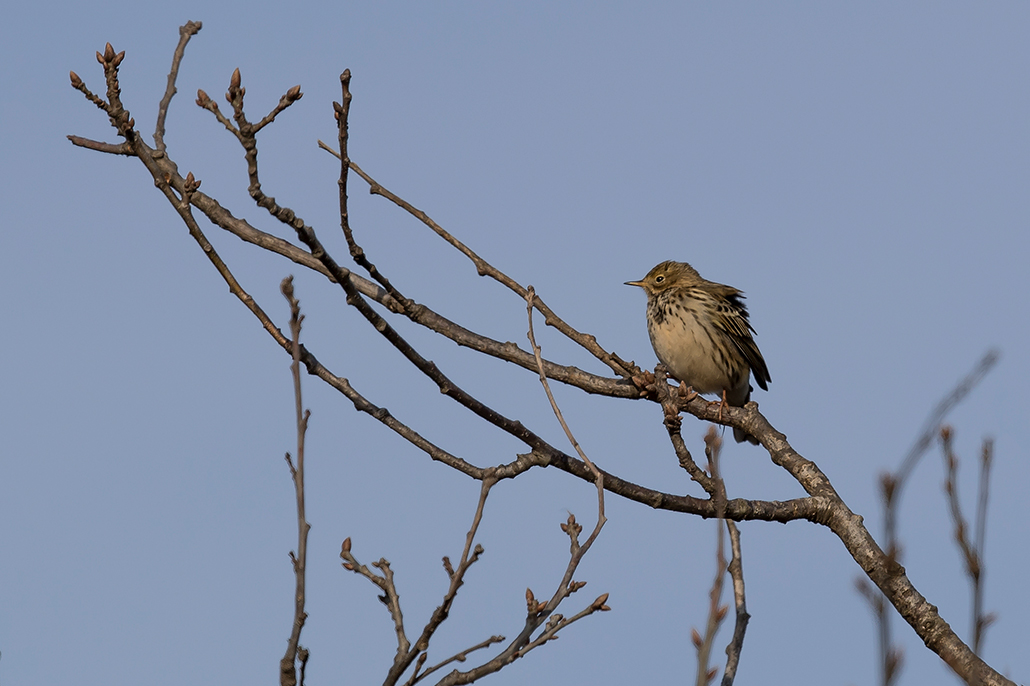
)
(722, 404)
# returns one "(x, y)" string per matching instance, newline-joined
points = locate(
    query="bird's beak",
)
(635, 283)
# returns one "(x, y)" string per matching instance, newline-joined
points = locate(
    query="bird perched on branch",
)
(700, 331)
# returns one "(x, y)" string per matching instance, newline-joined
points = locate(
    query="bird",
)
(700, 331)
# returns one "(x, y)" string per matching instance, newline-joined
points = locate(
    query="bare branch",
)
(458, 657)
(736, 571)
(291, 96)
(824, 505)
(469, 556)
(981, 620)
(484, 268)
(287, 666)
(390, 598)
(933, 422)
(186, 31)
(110, 148)
(972, 551)
(892, 485)
(716, 610)
(342, 113)
(673, 424)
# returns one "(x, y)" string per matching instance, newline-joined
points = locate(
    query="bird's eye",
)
(659, 278)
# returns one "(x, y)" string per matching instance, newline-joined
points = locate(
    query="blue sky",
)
(861, 172)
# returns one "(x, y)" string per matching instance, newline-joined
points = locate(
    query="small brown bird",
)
(700, 332)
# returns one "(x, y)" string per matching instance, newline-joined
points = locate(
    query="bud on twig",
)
(532, 605)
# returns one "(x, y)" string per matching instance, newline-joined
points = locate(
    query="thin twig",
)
(673, 424)
(716, 610)
(825, 507)
(186, 31)
(891, 486)
(390, 597)
(287, 666)
(342, 113)
(932, 424)
(736, 570)
(587, 341)
(458, 657)
(972, 551)
(981, 620)
(469, 556)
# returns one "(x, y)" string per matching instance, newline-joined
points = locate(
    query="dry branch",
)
(823, 505)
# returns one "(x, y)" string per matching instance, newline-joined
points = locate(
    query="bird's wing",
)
(734, 322)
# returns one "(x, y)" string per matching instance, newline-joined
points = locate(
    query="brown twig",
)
(587, 341)
(342, 113)
(824, 507)
(599, 478)
(186, 31)
(469, 556)
(390, 597)
(673, 423)
(972, 551)
(458, 657)
(538, 612)
(892, 485)
(891, 656)
(408, 652)
(982, 621)
(736, 570)
(287, 666)
(716, 610)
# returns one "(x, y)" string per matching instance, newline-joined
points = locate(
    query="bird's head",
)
(667, 275)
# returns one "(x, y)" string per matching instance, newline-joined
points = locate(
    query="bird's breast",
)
(685, 341)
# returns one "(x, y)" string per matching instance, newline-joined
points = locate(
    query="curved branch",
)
(823, 506)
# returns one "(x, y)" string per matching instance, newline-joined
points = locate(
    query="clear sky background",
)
(861, 172)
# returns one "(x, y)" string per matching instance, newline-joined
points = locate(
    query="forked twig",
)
(823, 506)
(972, 551)
(891, 486)
(587, 341)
